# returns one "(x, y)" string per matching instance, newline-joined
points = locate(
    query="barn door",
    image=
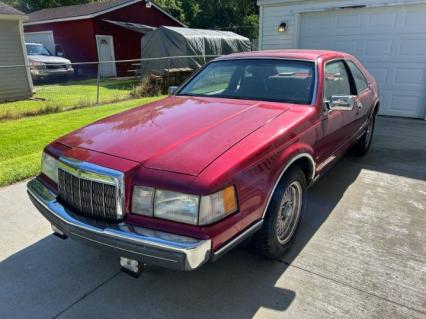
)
(42, 37)
(105, 47)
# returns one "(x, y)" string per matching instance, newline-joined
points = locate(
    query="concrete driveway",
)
(360, 252)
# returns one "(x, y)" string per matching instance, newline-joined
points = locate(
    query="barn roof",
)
(137, 27)
(8, 10)
(84, 11)
(204, 33)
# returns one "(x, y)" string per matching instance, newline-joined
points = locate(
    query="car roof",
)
(297, 54)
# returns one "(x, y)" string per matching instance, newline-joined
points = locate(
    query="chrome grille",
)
(55, 66)
(86, 197)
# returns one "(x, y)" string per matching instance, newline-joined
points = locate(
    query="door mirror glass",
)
(59, 51)
(172, 90)
(340, 102)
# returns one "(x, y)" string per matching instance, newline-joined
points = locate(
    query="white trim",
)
(260, 44)
(24, 52)
(98, 36)
(13, 17)
(89, 16)
(297, 25)
(295, 158)
(40, 32)
(59, 20)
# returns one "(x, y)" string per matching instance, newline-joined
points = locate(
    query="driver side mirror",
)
(340, 102)
(59, 51)
(172, 90)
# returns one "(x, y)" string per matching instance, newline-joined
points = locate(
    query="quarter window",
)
(336, 80)
(360, 81)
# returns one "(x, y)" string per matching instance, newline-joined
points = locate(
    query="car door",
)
(365, 96)
(336, 128)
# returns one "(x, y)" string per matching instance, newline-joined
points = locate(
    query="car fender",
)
(288, 158)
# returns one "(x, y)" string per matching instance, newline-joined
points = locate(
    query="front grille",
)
(89, 198)
(55, 66)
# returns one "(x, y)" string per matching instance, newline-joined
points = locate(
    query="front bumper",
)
(45, 73)
(142, 244)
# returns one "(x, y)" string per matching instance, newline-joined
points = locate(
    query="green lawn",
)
(21, 141)
(51, 98)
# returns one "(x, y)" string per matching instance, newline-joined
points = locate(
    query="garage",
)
(43, 37)
(389, 39)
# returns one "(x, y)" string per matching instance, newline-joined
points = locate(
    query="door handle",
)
(359, 105)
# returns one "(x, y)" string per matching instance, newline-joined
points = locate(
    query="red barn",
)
(100, 31)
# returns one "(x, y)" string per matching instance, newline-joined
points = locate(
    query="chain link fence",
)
(59, 87)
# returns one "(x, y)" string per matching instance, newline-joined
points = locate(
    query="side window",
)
(360, 81)
(336, 80)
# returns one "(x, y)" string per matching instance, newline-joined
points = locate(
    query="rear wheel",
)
(282, 216)
(363, 145)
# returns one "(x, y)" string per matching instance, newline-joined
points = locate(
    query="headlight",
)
(176, 206)
(49, 167)
(184, 208)
(217, 206)
(143, 200)
(38, 65)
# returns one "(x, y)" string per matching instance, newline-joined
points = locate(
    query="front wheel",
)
(282, 216)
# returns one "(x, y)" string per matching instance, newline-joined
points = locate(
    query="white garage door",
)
(389, 41)
(43, 37)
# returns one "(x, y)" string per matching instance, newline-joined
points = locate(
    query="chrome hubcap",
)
(289, 212)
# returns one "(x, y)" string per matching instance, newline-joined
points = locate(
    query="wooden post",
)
(98, 82)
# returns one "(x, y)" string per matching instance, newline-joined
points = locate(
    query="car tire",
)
(282, 216)
(363, 145)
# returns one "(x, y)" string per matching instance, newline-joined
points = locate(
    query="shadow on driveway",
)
(46, 278)
(52, 277)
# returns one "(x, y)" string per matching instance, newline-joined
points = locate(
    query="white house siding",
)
(400, 69)
(14, 82)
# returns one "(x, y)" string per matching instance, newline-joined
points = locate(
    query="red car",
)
(226, 157)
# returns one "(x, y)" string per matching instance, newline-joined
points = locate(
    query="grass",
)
(53, 98)
(22, 141)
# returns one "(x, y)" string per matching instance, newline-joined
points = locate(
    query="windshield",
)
(274, 80)
(37, 49)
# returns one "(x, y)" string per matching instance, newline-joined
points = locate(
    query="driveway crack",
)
(87, 294)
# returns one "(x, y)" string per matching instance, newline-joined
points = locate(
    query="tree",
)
(34, 5)
(240, 16)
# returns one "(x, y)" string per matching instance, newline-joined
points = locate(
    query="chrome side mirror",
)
(340, 102)
(172, 90)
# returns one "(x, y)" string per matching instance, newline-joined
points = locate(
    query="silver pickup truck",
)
(44, 65)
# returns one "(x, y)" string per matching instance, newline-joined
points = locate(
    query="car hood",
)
(177, 134)
(47, 59)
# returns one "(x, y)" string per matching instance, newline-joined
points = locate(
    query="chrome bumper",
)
(142, 244)
(37, 73)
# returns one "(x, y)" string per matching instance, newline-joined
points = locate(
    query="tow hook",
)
(131, 267)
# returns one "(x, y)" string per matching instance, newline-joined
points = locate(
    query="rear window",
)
(360, 81)
(274, 80)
